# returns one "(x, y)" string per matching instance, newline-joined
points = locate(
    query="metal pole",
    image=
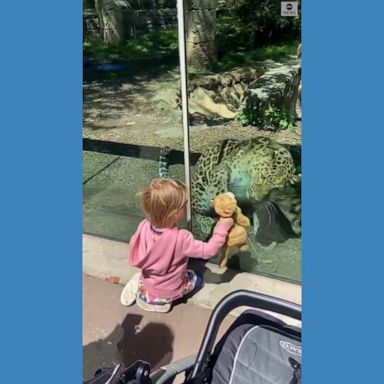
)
(184, 97)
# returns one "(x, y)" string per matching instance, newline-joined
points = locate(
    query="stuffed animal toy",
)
(225, 205)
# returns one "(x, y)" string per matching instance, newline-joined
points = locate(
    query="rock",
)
(277, 91)
(113, 279)
(265, 94)
(220, 95)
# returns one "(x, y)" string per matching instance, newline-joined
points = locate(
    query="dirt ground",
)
(142, 110)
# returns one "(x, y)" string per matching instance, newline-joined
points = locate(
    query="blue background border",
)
(41, 191)
(40, 247)
(342, 204)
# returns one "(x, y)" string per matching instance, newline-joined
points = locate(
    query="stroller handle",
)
(227, 304)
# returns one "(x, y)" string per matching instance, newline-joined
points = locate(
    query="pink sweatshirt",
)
(162, 255)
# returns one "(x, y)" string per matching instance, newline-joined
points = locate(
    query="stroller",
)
(256, 349)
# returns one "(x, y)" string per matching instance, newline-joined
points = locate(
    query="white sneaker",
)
(128, 294)
(163, 308)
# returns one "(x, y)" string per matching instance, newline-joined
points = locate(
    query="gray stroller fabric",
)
(258, 355)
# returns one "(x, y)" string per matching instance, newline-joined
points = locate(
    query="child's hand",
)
(227, 221)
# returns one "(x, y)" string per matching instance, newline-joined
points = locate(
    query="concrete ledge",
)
(104, 258)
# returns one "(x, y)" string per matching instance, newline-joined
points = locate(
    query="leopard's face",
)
(274, 169)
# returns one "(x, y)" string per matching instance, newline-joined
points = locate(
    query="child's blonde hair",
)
(162, 200)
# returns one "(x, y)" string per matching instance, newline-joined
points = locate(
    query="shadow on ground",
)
(127, 343)
(209, 276)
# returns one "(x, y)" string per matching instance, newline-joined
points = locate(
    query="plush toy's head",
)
(224, 204)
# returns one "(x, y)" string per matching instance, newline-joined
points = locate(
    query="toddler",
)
(161, 249)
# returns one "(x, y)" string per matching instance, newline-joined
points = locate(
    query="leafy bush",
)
(272, 117)
(276, 117)
(253, 23)
(248, 116)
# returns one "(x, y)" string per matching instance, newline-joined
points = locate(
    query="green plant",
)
(273, 117)
(248, 116)
(256, 22)
(278, 118)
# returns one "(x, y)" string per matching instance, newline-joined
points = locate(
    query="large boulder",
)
(220, 95)
(272, 98)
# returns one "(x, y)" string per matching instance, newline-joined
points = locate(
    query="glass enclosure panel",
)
(244, 103)
(244, 93)
(131, 81)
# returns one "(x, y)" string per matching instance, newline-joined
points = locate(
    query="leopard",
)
(254, 170)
